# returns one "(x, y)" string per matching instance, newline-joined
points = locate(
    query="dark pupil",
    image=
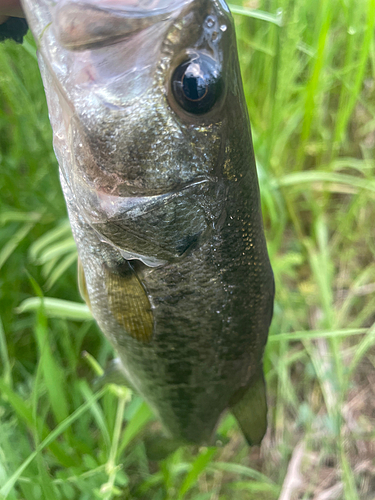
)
(196, 84)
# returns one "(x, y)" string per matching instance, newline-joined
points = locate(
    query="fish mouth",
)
(92, 24)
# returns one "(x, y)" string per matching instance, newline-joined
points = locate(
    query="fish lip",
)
(77, 32)
(116, 206)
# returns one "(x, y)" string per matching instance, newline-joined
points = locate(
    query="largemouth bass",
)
(157, 167)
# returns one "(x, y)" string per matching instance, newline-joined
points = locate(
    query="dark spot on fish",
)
(187, 243)
(179, 372)
(121, 267)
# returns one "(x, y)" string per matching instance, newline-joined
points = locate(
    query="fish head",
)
(144, 99)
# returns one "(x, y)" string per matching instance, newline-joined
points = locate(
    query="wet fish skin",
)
(165, 210)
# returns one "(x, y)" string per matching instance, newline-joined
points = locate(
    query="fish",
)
(152, 136)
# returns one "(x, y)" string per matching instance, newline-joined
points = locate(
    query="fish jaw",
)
(69, 18)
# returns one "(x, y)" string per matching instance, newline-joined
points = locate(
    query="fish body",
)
(157, 166)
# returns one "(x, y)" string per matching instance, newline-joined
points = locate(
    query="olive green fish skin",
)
(180, 194)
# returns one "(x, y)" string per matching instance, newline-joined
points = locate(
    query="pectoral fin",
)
(129, 303)
(127, 300)
(249, 406)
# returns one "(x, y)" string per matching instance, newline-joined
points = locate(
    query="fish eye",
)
(197, 84)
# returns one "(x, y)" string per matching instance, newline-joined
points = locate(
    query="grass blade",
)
(198, 466)
(257, 14)
(5, 490)
(7, 371)
(52, 372)
(311, 177)
(57, 308)
(24, 414)
(317, 334)
(13, 243)
(142, 416)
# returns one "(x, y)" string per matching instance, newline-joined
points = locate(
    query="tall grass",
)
(308, 70)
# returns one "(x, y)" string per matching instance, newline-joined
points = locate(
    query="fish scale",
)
(158, 171)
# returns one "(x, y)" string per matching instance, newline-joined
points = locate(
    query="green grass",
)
(308, 70)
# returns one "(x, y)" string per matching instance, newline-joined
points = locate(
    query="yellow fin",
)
(249, 407)
(129, 303)
(82, 283)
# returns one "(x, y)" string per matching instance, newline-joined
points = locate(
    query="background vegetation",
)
(308, 69)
